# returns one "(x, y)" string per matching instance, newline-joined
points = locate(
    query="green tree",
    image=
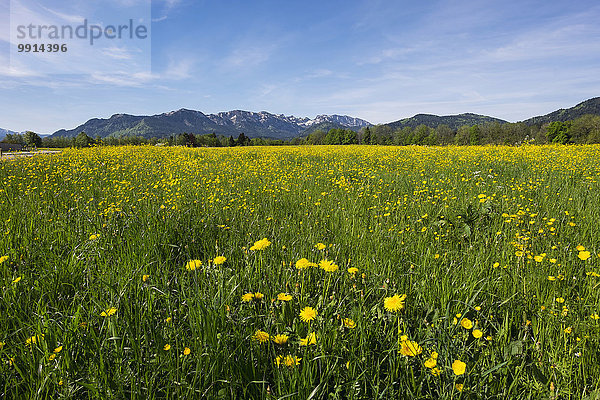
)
(32, 139)
(558, 132)
(83, 140)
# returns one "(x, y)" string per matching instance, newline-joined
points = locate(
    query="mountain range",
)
(230, 123)
(278, 126)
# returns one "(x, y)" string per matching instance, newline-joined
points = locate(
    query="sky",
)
(379, 60)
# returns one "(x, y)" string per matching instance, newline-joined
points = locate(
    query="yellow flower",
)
(458, 367)
(34, 339)
(108, 312)
(436, 371)
(261, 336)
(580, 248)
(303, 263)
(477, 333)
(259, 296)
(308, 314)
(3, 258)
(280, 339)
(247, 297)
(145, 277)
(261, 244)
(584, 255)
(193, 264)
(2, 345)
(94, 236)
(284, 297)
(432, 361)
(394, 303)
(167, 347)
(459, 387)
(58, 349)
(310, 339)
(290, 361)
(595, 316)
(466, 323)
(328, 266)
(186, 351)
(568, 330)
(320, 246)
(410, 348)
(51, 357)
(17, 280)
(560, 300)
(353, 270)
(538, 258)
(219, 260)
(348, 323)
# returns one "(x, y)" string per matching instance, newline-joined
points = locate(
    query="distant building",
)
(11, 147)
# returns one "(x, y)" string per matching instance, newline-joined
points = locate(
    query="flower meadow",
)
(350, 272)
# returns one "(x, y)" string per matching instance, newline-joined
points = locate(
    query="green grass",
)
(457, 230)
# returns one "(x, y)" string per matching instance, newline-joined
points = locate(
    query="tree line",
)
(582, 130)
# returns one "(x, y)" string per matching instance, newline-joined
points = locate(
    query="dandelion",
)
(193, 264)
(284, 297)
(219, 260)
(410, 348)
(320, 246)
(348, 323)
(477, 333)
(280, 339)
(308, 340)
(17, 279)
(303, 263)
(261, 244)
(288, 361)
(261, 336)
(51, 357)
(308, 314)
(394, 303)
(247, 297)
(3, 258)
(167, 347)
(259, 296)
(328, 266)
(353, 270)
(94, 236)
(436, 371)
(145, 278)
(466, 323)
(58, 350)
(186, 351)
(108, 312)
(34, 339)
(459, 387)
(538, 258)
(584, 255)
(595, 316)
(580, 248)
(458, 367)
(559, 300)
(568, 330)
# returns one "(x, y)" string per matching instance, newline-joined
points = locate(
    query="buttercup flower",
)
(458, 367)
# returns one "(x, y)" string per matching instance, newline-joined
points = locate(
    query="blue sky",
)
(377, 60)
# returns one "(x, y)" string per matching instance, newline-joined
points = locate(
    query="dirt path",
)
(8, 156)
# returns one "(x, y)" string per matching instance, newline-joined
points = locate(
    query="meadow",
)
(321, 272)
